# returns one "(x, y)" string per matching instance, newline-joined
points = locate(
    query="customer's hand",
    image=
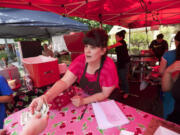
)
(36, 125)
(77, 101)
(37, 103)
(3, 132)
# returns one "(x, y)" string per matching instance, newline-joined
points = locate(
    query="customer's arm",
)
(36, 125)
(163, 65)
(5, 90)
(5, 99)
(167, 79)
(3, 132)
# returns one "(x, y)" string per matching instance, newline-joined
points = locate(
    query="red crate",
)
(74, 44)
(42, 70)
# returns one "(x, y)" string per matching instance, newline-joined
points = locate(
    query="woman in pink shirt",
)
(95, 72)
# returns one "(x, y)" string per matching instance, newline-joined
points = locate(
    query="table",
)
(67, 122)
(142, 61)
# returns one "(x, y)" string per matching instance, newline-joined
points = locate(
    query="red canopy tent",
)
(127, 13)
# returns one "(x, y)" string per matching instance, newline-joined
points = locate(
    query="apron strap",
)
(101, 65)
(98, 70)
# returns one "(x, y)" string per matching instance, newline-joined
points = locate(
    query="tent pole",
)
(100, 26)
(129, 37)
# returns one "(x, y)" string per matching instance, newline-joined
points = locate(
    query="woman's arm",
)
(5, 99)
(167, 79)
(68, 79)
(163, 65)
(106, 91)
(114, 46)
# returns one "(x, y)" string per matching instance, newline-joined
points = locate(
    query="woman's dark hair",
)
(96, 37)
(160, 36)
(177, 37)
(121, 33)
(178, 52)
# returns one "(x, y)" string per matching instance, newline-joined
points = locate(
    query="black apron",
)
(90, 87)
(93, 87)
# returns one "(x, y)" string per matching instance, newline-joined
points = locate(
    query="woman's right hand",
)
(37, 103)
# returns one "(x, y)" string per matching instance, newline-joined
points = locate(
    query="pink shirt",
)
(108, 74)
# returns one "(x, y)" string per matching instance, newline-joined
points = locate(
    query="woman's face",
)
(177, 43)
(93, 53)
(118, 38)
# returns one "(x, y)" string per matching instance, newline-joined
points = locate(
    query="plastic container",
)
(74, 44)
(42, 70)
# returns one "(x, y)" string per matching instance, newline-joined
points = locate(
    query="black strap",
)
(85, 69)
(98, 70)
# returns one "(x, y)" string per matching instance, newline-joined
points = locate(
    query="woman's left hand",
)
(77, 101)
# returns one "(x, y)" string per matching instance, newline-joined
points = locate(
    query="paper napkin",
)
(164, 131)
(108, 114)
(125, 132)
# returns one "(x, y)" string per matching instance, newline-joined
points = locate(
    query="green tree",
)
(92, 23)
(139, 41)
(167, 31)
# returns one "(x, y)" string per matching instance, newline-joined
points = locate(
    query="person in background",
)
(3, 56)
(11, 51)
(159, 46)
(5, 97)
(18, 55)
(95, 72)
(123, 60)
(171, 82)
(46, 51)
(170, 56)
(168, 59)
(61, 54)
(34, 127)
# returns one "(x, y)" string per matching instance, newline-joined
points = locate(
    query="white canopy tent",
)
(6, 41)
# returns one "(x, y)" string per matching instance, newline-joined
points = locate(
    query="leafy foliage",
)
(92, 23)
(140, 39)
(3, 54)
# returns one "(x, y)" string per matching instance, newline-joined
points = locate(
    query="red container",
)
(74, 44)
(42, 70)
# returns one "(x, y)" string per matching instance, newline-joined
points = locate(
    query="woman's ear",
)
(104, 50)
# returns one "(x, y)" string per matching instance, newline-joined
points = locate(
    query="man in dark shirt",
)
(159, 46)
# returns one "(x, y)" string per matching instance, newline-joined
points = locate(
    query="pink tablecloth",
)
(67, 122)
